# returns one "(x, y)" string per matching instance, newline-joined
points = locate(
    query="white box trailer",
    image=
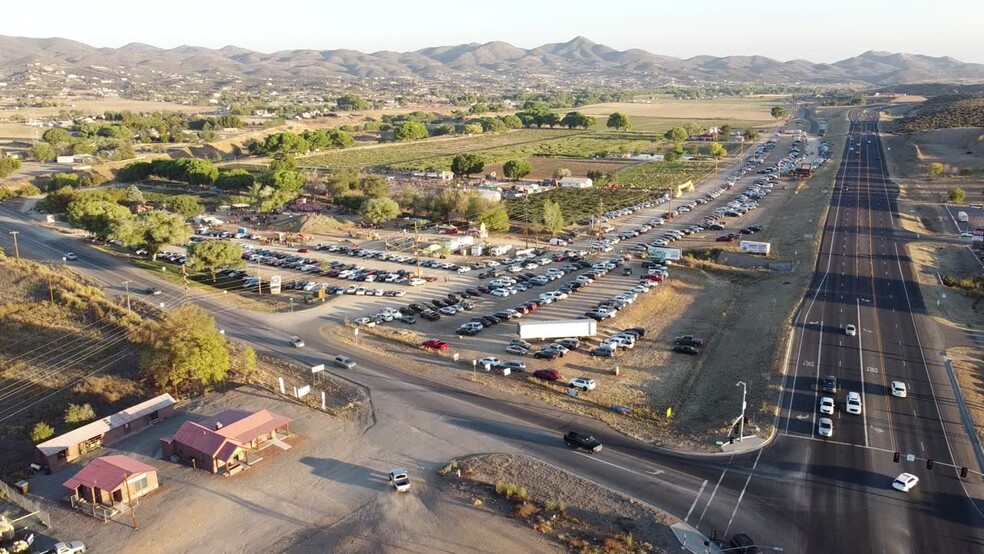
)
(557, 329)
(753, 247)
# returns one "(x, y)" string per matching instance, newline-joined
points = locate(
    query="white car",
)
(416, 281)
(74, 547)
(516, 349)
(582, 383)
(827, 405)
(854, 403)
(850, 330)
(899, 389)
(298, 342)
(70, 256)
(490, 361)
(399, 479)
(967, 234)
(501, 292)
(905, 482)
(825, 427)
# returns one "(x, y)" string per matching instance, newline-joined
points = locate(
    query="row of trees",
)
(286, 142)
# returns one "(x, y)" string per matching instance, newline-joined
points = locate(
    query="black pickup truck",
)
(585, 442)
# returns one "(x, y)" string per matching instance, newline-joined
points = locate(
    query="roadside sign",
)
(275, 284)
(658, 253)
(317, 368)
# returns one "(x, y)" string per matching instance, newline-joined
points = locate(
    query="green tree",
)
(496, 219)
(676, 134)
(551, 119)
(778, 112)
(717, 151)
(78, 413)
(42, 152)
(517, 169)
(41, 432)
(56, 137)
(184, 350)
(237, 179)
(935, 169)
(153, 231)
(373, 186)
(464, 165)
(352, 102)
(512, 122)
(8, 166)
(378, 210)
(957, 195)
(97, 216)
(213, 255)
(133, 172)
(472, 129)
(724, 130)
(284, 142)
(750, 135)
(57, 202)
(553, 217)
(694, 129)
(560, 173)
(200, 172)
(186, 205)
(573, 120)
(619, 121)
(409, 130)
(283, 163)
(133, 195)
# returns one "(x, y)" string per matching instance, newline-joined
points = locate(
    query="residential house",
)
(227, 442)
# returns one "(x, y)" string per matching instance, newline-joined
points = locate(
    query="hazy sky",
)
(817, 30)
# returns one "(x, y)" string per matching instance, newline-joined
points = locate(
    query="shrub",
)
(41, 432)
(525, 509)
(453, 465)
(77, 413)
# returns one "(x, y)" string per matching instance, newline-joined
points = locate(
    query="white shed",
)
(576, 183)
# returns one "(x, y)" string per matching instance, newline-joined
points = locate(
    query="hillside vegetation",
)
(946, 112)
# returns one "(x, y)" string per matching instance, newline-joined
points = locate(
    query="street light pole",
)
(741, 422)
(126, 285)
(16, 250)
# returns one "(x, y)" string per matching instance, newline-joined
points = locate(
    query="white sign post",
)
(303, 391)
(282, 391)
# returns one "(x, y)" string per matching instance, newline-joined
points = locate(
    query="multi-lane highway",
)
(803, 492)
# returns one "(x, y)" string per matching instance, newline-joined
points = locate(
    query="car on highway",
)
(71, 256)
(153, 291)
(905, 482)
(825, 427)
(344, 362)
(827, 405)
(854, 403)
(399, 480)
(582, 383)
(899, 389)
(850, 330)
(296, 341)
(434, 344)
(829, 384)
(517, 349)
(582, 441)
(967, 234)
(547, 374)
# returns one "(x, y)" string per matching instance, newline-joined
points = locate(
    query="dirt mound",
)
(321, 225)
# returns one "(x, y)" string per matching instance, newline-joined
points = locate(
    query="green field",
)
(663, 174)
(578, 145)
(576, 204)
(413, 153)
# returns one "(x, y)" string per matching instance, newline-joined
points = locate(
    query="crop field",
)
(412, 154)
(576, 145)
(576, 204)
(724, 109)
(543, 168)
(662, 175)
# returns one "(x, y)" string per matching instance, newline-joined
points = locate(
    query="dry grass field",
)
(95, 107)
(724, 109)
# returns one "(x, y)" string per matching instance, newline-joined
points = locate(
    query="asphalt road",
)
(803, 493)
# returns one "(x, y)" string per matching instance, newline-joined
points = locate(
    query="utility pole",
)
(526, 212)
(416, 245)
(741, 422)
(16, 250)
(51, 291)
(126, 285)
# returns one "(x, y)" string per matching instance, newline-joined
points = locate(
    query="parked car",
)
(521, 342)
(689, 340)
(573, 439)
(435, 344)
(490, 361)
(399, 479)
(516, 349)
(546, 354)
(547, 374)
(582, 383)
(602, 351)
(685, 349)
(513, 366)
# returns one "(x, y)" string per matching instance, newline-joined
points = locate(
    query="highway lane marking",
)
(713, 493)
(743, 489)
(864, 401)
(667, 483)
(696, 498)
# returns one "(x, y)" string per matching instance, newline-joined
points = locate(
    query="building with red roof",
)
(227, 442)
(112, 480)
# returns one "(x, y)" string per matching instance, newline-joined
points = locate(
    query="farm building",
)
(576, 183)
(228, 442)
(111, 480)
(103, 432)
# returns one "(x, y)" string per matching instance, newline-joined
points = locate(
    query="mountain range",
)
(473, 61)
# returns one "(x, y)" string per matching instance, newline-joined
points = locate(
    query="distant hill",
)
(473, 61)
(946, 112)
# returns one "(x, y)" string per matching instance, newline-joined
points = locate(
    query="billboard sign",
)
(753, 247)
(275, 284)
(658, 253)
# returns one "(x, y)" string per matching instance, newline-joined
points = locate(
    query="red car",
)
(725, 238)
(547, 374)
(656, 278)
(435, 344)
(304, 250)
